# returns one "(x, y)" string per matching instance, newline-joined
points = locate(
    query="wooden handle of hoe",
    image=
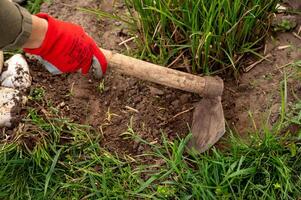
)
(205, 86)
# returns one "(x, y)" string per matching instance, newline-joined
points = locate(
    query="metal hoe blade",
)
(208, 124)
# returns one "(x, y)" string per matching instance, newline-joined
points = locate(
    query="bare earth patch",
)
(255, 97)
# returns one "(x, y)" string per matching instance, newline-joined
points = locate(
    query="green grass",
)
(209, 36)
(33, 6)
(50, 157)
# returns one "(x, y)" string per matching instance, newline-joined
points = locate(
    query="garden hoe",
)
(208, 124)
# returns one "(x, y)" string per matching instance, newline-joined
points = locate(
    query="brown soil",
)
(125, 103)
(254, 100)
(151, 109)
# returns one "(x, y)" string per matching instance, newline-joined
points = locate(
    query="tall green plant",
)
(213, 35)
(34, 6)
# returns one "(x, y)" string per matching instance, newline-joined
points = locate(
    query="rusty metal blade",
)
(208, 124)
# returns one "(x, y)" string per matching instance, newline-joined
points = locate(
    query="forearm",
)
(15, 25)
(39, 30)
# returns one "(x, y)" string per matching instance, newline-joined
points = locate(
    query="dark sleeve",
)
(15, 25)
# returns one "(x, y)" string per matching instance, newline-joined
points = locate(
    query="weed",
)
(101, 87)
(37, 94)
(33, 6)
(71, 92)
(110, 115)
(285, 25)
(214, 35)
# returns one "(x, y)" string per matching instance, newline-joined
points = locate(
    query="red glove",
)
(67, 48)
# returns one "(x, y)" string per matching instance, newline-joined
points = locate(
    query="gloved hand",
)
(67, 48)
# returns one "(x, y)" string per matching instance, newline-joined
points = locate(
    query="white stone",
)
(17, 75)
(10, 101)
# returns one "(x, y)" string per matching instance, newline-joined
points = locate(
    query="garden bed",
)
(124, 138)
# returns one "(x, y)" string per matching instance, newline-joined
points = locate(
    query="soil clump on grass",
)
(121, 104)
